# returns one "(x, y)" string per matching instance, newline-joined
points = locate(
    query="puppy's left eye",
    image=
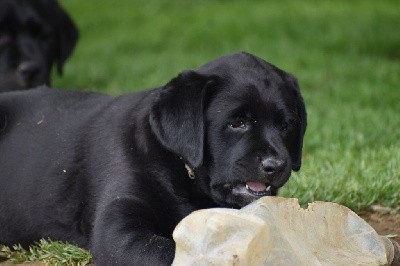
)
(239, 125)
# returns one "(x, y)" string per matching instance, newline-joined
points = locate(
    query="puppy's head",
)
(34, 35)
(238, 121)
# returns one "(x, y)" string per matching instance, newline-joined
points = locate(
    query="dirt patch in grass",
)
(384, 223)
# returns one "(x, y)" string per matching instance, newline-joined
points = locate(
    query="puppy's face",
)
(252, 122)
(24, 61)
(34, 34)
(252, 125)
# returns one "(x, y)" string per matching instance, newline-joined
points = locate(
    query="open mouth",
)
(258, 188)
(253, 189)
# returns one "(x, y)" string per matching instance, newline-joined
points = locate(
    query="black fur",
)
(34, 35)
(108, 173)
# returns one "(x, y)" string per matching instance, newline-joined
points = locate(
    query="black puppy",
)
(116, 174)
(34, 35)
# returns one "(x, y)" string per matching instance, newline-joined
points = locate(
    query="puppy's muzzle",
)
(27, 71)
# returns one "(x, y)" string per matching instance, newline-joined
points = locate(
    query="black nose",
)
(271, 165)
(28, 70)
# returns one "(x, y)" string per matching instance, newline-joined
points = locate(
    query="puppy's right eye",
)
(239, 125)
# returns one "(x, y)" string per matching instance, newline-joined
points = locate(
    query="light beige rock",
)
(277, 231)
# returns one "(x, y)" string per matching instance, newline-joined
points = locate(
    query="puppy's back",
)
(41, 132)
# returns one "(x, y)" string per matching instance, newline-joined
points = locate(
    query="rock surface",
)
(277, 231)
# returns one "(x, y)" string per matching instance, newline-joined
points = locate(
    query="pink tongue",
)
(256, 186)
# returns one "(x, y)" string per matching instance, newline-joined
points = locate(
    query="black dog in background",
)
(34, 35)
(116, 174)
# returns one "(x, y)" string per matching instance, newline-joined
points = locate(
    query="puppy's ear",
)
(66, 38)
(297, 145)
(177, 118)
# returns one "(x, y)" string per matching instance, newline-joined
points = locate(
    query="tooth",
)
(247, 187)
(268, 188)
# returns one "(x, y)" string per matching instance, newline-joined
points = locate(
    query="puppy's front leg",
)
(125, 233)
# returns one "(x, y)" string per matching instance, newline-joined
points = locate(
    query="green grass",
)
(346, 55)
(47, 252)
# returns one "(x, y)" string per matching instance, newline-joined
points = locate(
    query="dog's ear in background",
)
(297, 145)
(66, 36)
(177, 117)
